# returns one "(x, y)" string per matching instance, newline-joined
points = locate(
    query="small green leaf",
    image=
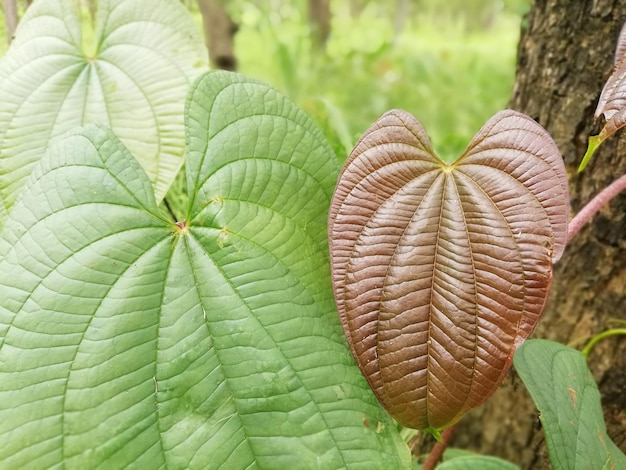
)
(594, 143)
(135, 83)
(477, 462)
(455, 459)
(568, 399)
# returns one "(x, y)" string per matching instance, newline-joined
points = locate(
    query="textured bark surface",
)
(566, 54)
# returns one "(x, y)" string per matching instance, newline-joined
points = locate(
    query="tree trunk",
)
(10, 18)
(400, 17)
(357, 7)
(219, 33)
(319, 21)
(565, 56)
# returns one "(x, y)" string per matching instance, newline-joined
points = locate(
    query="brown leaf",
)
(612, 102)
(441, 271)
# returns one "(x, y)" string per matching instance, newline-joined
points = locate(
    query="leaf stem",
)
(440, 446)
(593, 206)
(599, 337)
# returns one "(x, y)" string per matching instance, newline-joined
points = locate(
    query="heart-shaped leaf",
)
(440, 271)
(135, 83)
(568, 398)
(129, 340)
(612, 102)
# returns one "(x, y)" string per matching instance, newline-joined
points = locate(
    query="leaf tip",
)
(592, 146)
(435, 432)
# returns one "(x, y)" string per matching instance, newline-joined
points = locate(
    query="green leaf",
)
(476, 462)
(457, 459)
(568, 399)
(209, 343)
(135, 83)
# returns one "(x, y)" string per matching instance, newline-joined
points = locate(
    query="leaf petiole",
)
(599, 337)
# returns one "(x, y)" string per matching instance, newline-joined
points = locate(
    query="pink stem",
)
(593, 206)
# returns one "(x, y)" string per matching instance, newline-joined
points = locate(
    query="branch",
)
(593, 206)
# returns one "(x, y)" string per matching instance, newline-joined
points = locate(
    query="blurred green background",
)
(450, 63)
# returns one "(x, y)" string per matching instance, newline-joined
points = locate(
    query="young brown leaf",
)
(612, 102)
(441, 271)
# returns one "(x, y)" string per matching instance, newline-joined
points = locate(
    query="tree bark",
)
(10, 18)
(319, 21)
(219, 33)
(565, 55)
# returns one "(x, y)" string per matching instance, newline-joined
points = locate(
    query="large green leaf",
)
(568, 399)
(209, 343)
(135, 82)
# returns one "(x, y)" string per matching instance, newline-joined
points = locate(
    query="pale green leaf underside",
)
(128, 341)
(568, 399)
(136, 84)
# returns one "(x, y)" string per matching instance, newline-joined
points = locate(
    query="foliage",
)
(203, 331)
(455, 459)
(444, 49)
(369, 68)
(212, 341)
(563, 389)
(130, 338)
(134, 81)
(441, 271)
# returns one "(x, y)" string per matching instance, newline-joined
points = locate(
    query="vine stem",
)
(615, 331)
(437, 451)
(593, 206)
